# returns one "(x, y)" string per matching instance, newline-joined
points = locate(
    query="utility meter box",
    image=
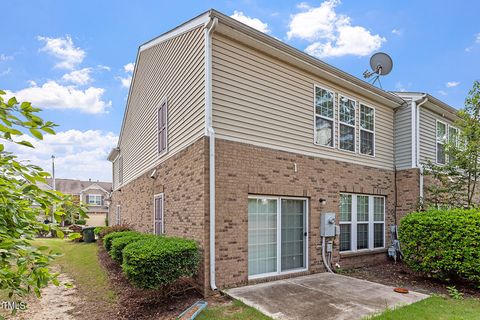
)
(327, 224)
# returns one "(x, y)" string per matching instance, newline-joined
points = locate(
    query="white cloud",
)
(52, 95)
(331, 34)
(102, 67)
(400, 86)
(5, 72)
(78, 154)
(5, 57)
(452, 84)
(477, 38)
(442, 92)
(64, 50)
(127, 80)
(397, 32)
(79, 77)
(252, 22)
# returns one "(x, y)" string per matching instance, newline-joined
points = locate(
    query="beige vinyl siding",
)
(173, 69)
(428, 133)
(403, 137)
(260, 100)
(115, 171)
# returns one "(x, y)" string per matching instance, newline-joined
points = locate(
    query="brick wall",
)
(182, 179)
(243, 169)
(408, 191)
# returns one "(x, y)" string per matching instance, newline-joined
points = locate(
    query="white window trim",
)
(315, 115)
(366, 130)
(163, 102)
(94, 195)
(371, 222)
(279, 238)
(354, 126)
(437, 142)
(155, 197)
(118, 211)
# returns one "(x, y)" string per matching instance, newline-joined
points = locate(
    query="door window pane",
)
(262, 236)
(293, 238)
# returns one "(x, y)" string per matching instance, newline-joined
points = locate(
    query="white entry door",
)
(277, 235)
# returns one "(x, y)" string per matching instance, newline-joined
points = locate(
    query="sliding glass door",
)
(277, 238)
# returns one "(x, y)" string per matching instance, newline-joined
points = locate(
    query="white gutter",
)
(210, 132)
(417, 142)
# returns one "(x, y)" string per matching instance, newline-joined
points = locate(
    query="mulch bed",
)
(134, 303)
(399, 275)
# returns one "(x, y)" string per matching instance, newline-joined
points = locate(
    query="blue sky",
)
(73, 58)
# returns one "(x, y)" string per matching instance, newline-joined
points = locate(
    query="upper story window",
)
(324, 117)
(362, 222)
(95, 199)
(367, 130)
(347, 124)
(441, 139)
(162, 127)
(453, 137)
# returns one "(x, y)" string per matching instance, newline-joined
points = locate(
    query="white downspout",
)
(417, 142)
(414, 132)
(210, 132)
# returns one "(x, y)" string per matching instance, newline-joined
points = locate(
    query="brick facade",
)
(243, 170)
(408, 191)
(183, 179)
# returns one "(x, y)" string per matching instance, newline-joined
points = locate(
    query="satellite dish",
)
(381, 65)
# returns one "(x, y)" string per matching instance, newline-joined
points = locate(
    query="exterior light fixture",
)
(322, 201)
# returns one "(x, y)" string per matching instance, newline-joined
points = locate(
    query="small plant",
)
(107, 240)
(107, 230)
(156, 262)
(454, 293)
(81, 222)
(97, 230)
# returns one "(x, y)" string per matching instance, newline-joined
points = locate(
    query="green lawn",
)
(234, 311)
(79, 261)
(435, 308)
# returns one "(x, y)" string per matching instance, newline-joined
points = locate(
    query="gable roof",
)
(72, 186)
(328, 71)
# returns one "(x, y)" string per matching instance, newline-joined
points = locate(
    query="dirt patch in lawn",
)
(134, 303)
(399, 275)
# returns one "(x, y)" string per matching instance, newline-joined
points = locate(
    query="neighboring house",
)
(231, 130)
(93, 193)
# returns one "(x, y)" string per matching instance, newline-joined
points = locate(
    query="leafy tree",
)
(455, 184)
(24, 205)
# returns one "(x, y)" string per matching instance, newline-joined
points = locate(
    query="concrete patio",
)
(322, 296)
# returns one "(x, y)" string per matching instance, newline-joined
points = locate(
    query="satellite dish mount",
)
(381, 65)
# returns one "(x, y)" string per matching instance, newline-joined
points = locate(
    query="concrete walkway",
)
(322, 296)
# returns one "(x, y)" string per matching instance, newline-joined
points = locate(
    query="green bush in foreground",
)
(159, 261)
(443, 243)
(97, 230)
(119, 243)
(107, 240)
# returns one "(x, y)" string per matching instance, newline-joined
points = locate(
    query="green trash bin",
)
(88, 234)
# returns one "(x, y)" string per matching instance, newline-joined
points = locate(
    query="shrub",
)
(443, 243)
(107, 240)
(107, 230)
(119, 243)
(81, 222)
(97, 230)
(159, 261)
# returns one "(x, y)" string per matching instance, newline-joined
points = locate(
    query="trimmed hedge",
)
(158, 261)
(443, 243)
(119, 243)
(106, 230)
(107, 240)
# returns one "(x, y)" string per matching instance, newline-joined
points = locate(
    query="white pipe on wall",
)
(210, 132)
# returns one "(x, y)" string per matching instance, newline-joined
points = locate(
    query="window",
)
(95, 199)
(162, 127)
(324, 117)
(277, 238)
(362, 222)
(347, 124)
(367, 130)
(441, 140)
(117, 215)
(158, 207)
